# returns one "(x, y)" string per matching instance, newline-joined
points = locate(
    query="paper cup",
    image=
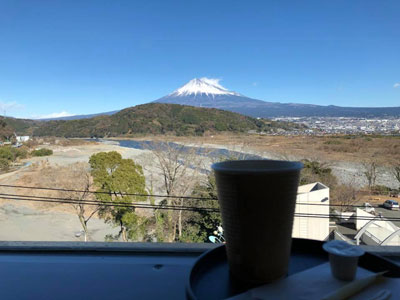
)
(343, 259)
(257, 200)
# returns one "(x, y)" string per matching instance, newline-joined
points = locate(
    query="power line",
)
(175, 207)
(95, 202)
(335, 205)
(58, 199)
(366, 218)
(115, 204)
(107, 193)
(164, 196)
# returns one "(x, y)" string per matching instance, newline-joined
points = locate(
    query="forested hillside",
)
(158, 118)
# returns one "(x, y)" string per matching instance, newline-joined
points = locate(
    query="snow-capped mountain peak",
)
(205, 86)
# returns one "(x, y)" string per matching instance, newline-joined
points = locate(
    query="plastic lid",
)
(343, 249)
(256, 166)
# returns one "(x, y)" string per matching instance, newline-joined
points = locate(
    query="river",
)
(152, 145)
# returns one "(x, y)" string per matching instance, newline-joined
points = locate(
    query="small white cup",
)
(343, 259)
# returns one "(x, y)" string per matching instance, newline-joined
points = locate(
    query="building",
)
(22, 139)
(375, 230)
(312, 199)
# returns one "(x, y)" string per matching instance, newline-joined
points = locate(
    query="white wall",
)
(315, 228)
(362, 213)
(24, 138)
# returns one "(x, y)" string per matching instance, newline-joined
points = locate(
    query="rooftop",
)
(307, 188)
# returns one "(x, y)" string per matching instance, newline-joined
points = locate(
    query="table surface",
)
(93, 276)
(102, 271)
(213, 268)
(210, 278)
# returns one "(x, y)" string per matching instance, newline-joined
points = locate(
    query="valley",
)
(55, 171)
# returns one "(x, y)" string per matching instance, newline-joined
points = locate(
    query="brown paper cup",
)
(257, 200)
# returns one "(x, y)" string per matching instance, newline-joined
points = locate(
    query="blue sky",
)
(86, 56)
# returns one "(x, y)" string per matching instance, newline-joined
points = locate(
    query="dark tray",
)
(210, 279)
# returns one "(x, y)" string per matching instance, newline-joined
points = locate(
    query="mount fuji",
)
(207, 92)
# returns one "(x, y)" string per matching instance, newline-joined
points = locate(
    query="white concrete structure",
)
(375, 230)
(312, 199)
(22, 139)
(345, 216)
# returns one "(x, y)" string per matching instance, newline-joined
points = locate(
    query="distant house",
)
(312, 199)
(23, 138)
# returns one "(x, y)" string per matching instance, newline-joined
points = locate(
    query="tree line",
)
(119, 182)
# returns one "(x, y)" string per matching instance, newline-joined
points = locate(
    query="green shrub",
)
(42, 152)
(20, 152)
(4, 164)
(314, 171)
(11, 153)
(6, 153)
(380, 190)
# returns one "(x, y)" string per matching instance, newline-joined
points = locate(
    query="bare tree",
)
(70, 178)
(178, 167)
(76, 177)
(370, 172)
(396, 171)
(345, 195)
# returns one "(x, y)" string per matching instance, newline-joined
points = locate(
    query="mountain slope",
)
(78, 117)
(20, 126)
(159, 118)
(205, 92)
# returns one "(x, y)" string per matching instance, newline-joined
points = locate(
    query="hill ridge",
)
(158, 119)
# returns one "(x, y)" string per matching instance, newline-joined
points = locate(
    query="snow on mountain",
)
(206, 86)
